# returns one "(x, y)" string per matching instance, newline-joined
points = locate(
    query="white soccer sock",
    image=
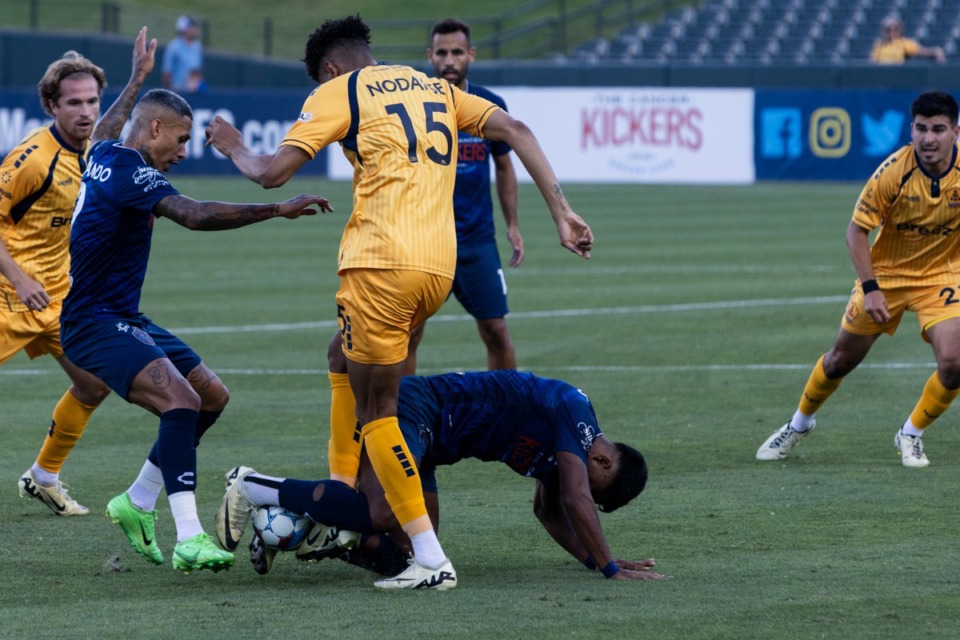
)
(427, 550)
(801, 422)
(147, 487)
(183, 507)
(261, 495)
(909, 430)
(43, 477)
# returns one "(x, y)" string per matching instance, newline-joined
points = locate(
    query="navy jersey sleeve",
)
(576, 424)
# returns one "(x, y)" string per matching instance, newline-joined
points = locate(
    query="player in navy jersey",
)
(104, 332)
(479, 284)
(541, 428)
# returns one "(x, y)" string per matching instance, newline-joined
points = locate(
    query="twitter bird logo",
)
(882, 135)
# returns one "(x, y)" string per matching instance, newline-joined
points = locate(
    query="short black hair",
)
(936, 103)
(630, 480)
(332, 37)
(450, 25)
(169, 100)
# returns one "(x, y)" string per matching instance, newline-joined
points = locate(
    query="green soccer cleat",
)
(138, 525)
(201, 552)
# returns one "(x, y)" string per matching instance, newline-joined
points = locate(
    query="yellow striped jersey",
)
(39, 182)
(398, 127)
(918, 215)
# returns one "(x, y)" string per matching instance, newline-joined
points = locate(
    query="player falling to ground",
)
(105, 333)
(398, 127)
(39, 181)
(541, 428)
(913, 199)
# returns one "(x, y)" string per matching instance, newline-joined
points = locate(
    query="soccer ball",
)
(280, 529)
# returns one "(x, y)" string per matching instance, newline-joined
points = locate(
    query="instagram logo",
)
(830, 132)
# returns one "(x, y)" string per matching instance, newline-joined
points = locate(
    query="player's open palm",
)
(629, 574)
(302, 205)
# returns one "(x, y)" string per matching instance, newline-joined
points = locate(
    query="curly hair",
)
(332, 38)
(71, 63)
(630, 480)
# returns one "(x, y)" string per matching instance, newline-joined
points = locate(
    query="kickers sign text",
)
(627, 126)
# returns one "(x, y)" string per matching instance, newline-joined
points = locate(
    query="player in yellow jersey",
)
(913, 199)
(39, 181)
(397, 256)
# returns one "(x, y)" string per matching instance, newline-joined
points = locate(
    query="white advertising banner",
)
(647, 135)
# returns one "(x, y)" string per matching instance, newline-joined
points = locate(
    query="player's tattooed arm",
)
(111, 123)
(218, 216)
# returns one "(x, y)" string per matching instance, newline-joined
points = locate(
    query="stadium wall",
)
(613, 123)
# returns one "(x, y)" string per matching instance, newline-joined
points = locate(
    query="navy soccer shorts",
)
(117, 349)
(479, 284)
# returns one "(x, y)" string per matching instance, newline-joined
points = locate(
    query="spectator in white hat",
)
(183, 56)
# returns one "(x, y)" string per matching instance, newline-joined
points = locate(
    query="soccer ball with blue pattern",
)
(280, 529)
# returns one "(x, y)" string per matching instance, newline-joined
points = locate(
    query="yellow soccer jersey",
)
(918, 215)
(398, 127)
(895, 51)
(39, 182)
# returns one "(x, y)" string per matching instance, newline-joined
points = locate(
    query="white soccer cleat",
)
(417, 576)
(325, 542)
(911, 450)
(55, 498)
(235, 509)
(778, 445)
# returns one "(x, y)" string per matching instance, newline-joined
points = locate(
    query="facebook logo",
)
(781, 132)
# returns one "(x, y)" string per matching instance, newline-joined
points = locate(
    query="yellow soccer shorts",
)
(36, 332)
(931, 303)
(377, 307)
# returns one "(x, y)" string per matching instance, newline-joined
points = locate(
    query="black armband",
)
(869, 286)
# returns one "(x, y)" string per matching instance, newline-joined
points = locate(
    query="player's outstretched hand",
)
(628, 574)
(575, 235)
(143, 55)
(636, 565)
(223, 136)
(302, 206)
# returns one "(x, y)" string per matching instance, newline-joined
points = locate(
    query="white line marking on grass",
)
(522, 315)
(669, 368)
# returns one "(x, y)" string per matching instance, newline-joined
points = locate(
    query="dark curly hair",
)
(630, 480)
(332, 38)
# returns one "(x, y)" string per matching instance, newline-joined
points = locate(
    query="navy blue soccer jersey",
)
(516, 418)
(111, 234)
(472, 202)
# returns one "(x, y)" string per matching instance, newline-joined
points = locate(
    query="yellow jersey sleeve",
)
(39, 182)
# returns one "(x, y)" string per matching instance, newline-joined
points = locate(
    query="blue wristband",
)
(590, 563)
(610, 570)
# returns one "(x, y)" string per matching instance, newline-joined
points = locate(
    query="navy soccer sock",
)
(176, 455)
(339, 506)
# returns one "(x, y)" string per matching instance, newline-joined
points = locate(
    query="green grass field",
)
(693, 329)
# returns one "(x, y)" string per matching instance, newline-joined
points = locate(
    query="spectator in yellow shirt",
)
(893, 48)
